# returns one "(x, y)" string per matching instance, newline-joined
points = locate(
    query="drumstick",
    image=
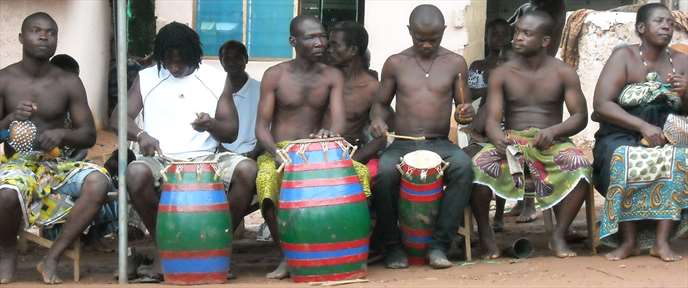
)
(463, 101)
(415, 138)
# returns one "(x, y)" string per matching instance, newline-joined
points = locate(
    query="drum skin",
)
(193, 225)
(419, 203)
(323, 215)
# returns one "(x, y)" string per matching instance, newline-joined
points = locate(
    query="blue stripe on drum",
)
(417, 239)
(319, 193)
(182, 198)
(409, 190)
(318, 156)
(301, 255)
(196, 265)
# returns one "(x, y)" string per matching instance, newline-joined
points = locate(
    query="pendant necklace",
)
(427, 72)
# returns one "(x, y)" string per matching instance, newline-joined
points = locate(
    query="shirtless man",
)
(529, 91)
(294, 97)
(425, 79)
(347, 45)
(35, 90)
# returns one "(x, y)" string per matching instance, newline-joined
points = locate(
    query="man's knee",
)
(246, 172)
(138, 172)
(8, 199)
(96, 185)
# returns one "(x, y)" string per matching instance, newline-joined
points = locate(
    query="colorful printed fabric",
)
(555, 171)
(268, 181)
(647, 92)
(646, 184)
(35, 178)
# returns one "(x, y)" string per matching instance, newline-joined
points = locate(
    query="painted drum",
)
(419, 202)
(322, 214)
(193, 225)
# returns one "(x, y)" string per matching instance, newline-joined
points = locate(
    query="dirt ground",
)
(252, 259)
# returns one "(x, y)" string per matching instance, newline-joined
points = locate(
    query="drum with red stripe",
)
(421, 191)
(322, 213)
(193, 225)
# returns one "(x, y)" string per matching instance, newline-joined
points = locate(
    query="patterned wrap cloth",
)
(647, 183)
(555, 171)
(268, 181)
(38, 181)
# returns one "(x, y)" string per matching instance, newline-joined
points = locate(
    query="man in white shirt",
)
(186, 111)
(246, 93)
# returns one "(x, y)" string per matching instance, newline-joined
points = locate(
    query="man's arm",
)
(225, 126)
(495, 108)
(134, 105)
(609, 85)
(266, 108)
(381, 109)
(336, 109)
(83, 131)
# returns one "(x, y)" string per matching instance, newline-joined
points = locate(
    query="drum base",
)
(330, 277)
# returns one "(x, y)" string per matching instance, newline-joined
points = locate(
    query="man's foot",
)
(48, 270)
(8, 263)
(622, 252)
(516, 210)
(498, 226)
(395, 258)
(665, 253)
(560, 248)
(280, 272)
(438, 259)
(231, 275)
(528, 214)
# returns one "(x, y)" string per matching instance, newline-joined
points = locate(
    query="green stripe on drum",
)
(418, 215)
(334, 269)
(191, 178)
(324, 224)
(320, 174)
(193, 231)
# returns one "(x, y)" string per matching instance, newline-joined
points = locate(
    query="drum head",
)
(423, 159)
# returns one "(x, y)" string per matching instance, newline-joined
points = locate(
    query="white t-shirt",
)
(246, 102)
(170, 105)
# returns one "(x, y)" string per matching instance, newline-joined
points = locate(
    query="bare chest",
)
(50, 98)
(295, 92)
(538, 89)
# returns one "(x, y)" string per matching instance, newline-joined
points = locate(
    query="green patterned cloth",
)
(555, 171)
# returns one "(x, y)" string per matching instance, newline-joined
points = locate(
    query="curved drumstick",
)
(414, 138)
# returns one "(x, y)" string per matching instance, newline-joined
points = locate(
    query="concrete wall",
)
(84, 33)
(601, 33)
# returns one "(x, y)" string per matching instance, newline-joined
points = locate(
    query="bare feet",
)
(560, 248)
(438, 259)
(395, 258)
(528, 214)
(664, 252)
(48, 270)
(516, 210)
(280, 272)
(489, 247)
(8, 263)
(622, 252)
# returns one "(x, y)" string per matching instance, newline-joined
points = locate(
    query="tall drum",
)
(193, 226)
(419, 202)
(322, 213)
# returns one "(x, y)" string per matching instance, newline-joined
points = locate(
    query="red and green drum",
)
(419, 202)
(193, 225)
(323, 214)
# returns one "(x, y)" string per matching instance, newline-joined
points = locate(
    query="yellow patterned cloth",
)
(268, 181)
(37, 179)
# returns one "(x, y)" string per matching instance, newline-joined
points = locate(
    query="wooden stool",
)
(465, 231)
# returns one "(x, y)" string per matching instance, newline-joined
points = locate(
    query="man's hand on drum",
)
(378, 128)
(203, 122)
(323, 133)
(464, 113)
(149, 145)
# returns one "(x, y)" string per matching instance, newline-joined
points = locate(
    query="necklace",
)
(671, 60)
(427, 72)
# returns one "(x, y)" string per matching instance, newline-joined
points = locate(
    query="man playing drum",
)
(529, 91)
(426, 79)
(294, 97)
(186, 110)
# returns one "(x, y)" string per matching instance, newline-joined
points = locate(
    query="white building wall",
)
(84, 33)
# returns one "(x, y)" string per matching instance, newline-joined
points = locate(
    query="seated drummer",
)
(425, 79)
(204, 114)
(346, 51)
(529, 91)
(294, 97)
